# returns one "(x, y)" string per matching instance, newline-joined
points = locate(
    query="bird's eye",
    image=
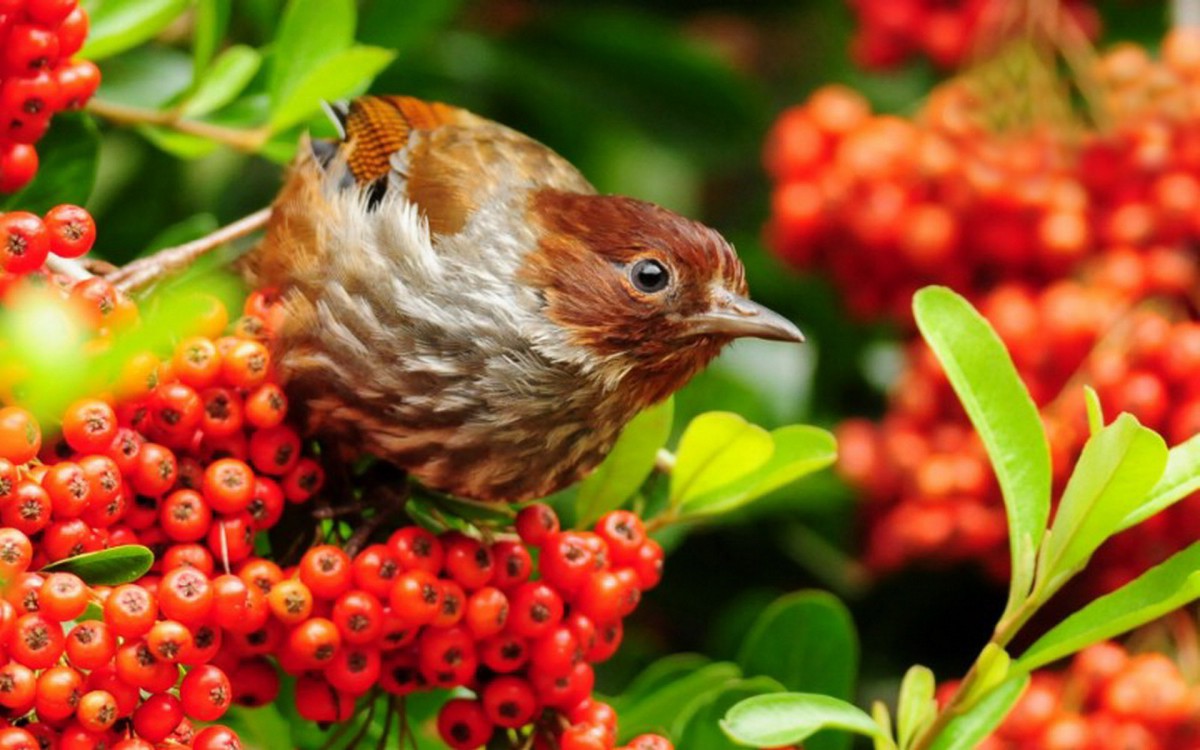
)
(649, 276)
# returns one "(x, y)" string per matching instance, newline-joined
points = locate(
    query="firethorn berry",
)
(467, 561)
(486, 612)
(534, 609)
(416, 598)
(18, 687)
(15, 738)
(417, 549)
(205, 693)
(290, 601)
(509, 702)
(72, 231)
(24, 242)
(157, 717)
(90, 645)
(20, 436)
(314, 642)
(216, 737)
(535, 523)
(130, 610)
(326, 571)
(59, 689)
(463, 724)
(63, 597)
(228, 485)
(89, 426)
(36, 641)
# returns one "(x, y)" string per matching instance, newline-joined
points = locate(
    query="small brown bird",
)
(460, 302)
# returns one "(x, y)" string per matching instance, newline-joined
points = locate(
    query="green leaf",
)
(716, 449)
(70, 154)
(799, 451)
(118, 25)
(790, 718)
(1180, 479)
(344, 74)
(221, 83)
(1118, 467)
(1162, 589)
(659, 674)
(702, 728)
(992, 668)
(916, 707)
(212, 18)
(808, 642)
(966, 731)
(109, 567)
(627, 465)
(311, 32)
(655, 711)
(982, 374)
(1095, 413)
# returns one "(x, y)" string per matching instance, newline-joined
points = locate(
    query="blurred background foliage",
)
(665, 100)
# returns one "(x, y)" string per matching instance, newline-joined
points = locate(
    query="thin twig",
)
(68, 267)
(172, 260)
(241, 139)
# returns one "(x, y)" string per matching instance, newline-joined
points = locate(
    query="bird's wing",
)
(447, 161)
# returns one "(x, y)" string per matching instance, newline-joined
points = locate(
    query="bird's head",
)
(652, 295)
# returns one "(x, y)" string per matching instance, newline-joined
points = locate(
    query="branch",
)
(121, 114)
(144, 271)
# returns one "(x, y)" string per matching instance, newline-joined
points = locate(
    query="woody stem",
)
(122, 114)
(133, 276)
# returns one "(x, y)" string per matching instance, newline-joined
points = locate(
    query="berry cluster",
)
(946, 32)
(38, 77)
(27, 240)
(424, 611)
(887, 205)
(189, 456)
(1106, 698)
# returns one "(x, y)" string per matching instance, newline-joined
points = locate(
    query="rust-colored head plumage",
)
(642, 287)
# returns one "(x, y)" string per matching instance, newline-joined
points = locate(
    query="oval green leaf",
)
(717, 449)
(799, 451)
(627, 465)
(109, 567)
(702, 728)
(916, 707)
(1180, 479)
(966, 731)
(807, 641)
(789, 718)
(655, 710)
(118, 25)
(227, 77)
(212, 19)
(1162, 589)
(1117, 468)
(311, 32)
(1003, 413)
(341, 75)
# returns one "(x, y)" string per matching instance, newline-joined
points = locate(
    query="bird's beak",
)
(735, 316)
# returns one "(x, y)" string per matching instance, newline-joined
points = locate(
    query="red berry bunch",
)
(1106, 698)
(27, 240)
(189, 455)
(887, 205)
(425, 611)
(946, 32)
(38, 77)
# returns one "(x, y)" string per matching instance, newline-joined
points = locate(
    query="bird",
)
(458, 300)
